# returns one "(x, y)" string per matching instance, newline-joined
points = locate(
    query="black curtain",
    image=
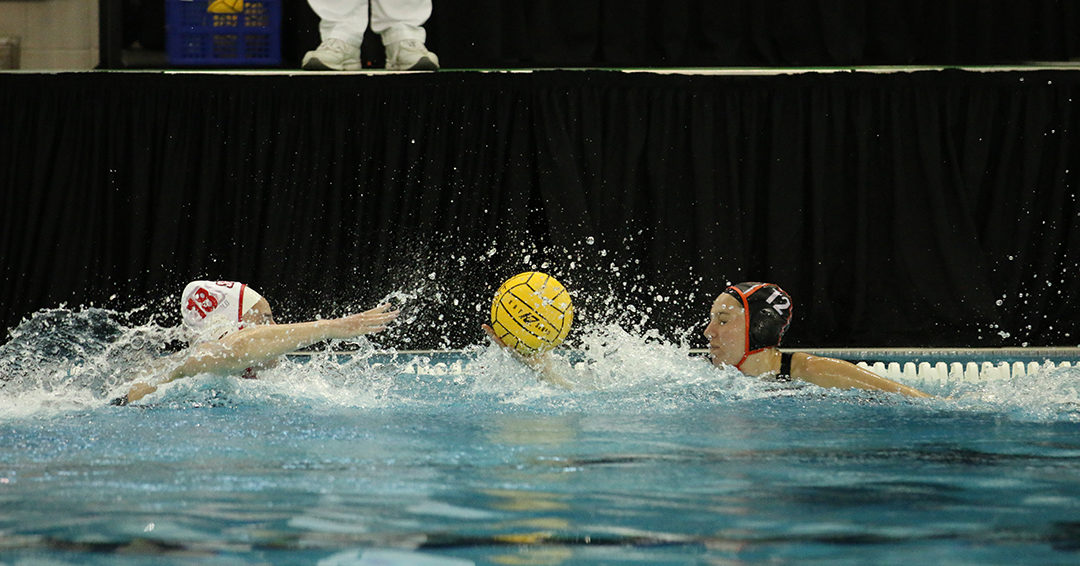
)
(921, 209)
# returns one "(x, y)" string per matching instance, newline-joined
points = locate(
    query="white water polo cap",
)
(212, 309)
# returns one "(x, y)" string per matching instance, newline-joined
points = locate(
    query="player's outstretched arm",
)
(841, 374)
(259, 344)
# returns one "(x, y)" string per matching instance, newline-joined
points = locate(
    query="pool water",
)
(465, 458)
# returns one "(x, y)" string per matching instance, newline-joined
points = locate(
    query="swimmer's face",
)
(726, 331)
(259, 314)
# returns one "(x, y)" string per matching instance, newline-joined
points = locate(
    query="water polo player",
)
(747, 322)
(232, 331)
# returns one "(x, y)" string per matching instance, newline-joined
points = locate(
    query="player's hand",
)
(138, 391)
(535, 361)
(368, 322)
(491, 334)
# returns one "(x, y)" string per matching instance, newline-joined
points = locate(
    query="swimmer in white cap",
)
(748, 321)
(232, 332)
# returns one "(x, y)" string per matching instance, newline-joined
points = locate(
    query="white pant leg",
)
(342, 19)
(395, 20)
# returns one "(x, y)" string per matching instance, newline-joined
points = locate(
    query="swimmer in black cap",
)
(746, 325)
(748, 321)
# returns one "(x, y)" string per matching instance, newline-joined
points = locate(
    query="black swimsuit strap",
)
(785, 367)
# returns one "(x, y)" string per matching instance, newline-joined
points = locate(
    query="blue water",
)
(656, 458)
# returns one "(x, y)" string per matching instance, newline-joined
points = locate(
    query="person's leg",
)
(400, 24)
(341, 27)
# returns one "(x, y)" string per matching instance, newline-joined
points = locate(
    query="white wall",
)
(55, 34)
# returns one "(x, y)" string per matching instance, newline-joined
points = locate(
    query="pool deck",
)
(701, 71)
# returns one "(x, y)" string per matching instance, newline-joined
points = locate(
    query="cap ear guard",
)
(767, 328)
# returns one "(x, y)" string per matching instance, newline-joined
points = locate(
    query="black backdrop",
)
(710, 33)
(931, 208)
(636, 33)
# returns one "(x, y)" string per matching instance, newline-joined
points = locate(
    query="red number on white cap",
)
(202, 302)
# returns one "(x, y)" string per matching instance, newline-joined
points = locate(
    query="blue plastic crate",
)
(251, 37)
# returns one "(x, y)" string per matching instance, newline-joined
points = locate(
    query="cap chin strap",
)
(748, 353)
(746, 328)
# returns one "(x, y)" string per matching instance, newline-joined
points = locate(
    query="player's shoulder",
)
(804, 364)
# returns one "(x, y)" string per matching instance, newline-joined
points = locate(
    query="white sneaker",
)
(333, 55)
(410, 55)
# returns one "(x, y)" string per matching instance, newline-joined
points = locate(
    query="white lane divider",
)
(971, 372)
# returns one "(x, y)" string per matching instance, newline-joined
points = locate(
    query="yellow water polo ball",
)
(532, 313)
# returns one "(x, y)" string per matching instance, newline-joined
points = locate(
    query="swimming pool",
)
(457, 458)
